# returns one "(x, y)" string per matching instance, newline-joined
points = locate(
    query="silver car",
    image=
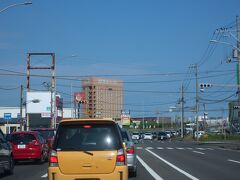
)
(131, 154)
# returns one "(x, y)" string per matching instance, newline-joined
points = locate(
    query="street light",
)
(222, 42)
(17, 4)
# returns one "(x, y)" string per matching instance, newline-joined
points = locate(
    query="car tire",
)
(41, 159)
(10, 170)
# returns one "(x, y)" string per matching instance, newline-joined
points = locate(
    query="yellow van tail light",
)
(121, 158)
(53, 160)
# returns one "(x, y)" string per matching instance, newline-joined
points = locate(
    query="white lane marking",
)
(189, 148)
(173, 166)
(209, 149)
(180, 148)
(169, 148)
(150, 170)
(139, 147)
(200, 148)
(149, 148)
(44, 176)
(159, 148)
(198, 152)
(234, 161)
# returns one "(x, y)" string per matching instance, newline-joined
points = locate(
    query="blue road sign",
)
(7, 116)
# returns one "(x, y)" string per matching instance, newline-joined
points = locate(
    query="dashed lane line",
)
(169, 148)
(159, 147)
(173, 166)
(180, 148)
(198, 152)
(44, 176)
(139, 148)
(150, 170)
(149, 148)
(234, 161)
(200, 148)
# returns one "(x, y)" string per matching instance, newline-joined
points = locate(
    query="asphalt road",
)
(163, 160)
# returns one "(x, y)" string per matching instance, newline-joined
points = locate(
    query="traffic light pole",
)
(182, 107)
(238, 56)
(21, 108)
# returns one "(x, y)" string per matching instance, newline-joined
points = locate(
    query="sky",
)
(149, 44)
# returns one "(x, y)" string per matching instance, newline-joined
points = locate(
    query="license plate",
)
(21, 146)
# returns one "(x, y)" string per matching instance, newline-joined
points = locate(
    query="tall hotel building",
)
(104, 97)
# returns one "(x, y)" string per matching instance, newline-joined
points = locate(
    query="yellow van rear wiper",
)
(89, 153)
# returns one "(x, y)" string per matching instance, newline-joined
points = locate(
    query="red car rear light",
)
(121, 160)
(87, 126)
(53, 160)
(130, 150)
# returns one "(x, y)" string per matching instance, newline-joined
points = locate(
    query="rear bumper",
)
(135, 137)
(120, 173)
(32, 155)
(150, 138)
(132, 162)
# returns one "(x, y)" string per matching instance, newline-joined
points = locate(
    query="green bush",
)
(218, 137)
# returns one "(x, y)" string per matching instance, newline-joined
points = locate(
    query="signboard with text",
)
(7, 116)
(125, 119)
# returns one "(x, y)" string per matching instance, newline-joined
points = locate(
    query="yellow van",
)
(88, 149)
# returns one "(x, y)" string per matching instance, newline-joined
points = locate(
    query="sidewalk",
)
(234, 145)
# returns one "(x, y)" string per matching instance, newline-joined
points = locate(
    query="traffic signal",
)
(236, 107)
(205, 85)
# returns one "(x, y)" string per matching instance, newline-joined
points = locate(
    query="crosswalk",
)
(176, 148)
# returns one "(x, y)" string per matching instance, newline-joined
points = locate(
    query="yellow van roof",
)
(88, 119)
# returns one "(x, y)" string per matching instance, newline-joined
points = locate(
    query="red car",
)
(48, 134)
(29, 145)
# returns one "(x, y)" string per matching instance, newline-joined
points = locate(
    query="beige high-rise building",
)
(104, 97)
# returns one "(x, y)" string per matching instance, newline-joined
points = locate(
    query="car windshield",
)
(148, 133)
(22, 138)
(161, 133)
(93, 137)
(135, 133)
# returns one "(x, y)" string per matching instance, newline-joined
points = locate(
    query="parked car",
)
(6, 156)
(29, 145)
(141, 135)
(48, 134)
(199, 134)
(154, 135)
(131, 154)
(88, 149)
(136, 135)
(174, 133)
(162, 136)
(148, 135)
(169, 134)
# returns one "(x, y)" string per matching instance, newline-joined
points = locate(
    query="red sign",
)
(79, 97)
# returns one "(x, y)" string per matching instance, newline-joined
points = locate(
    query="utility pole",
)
(182, 107)
(21, 108)
(196, 106)
(143, 117)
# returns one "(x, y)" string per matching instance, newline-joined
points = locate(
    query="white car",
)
(169, 134)
(200, 133)
(148, 135)
(135, 135)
